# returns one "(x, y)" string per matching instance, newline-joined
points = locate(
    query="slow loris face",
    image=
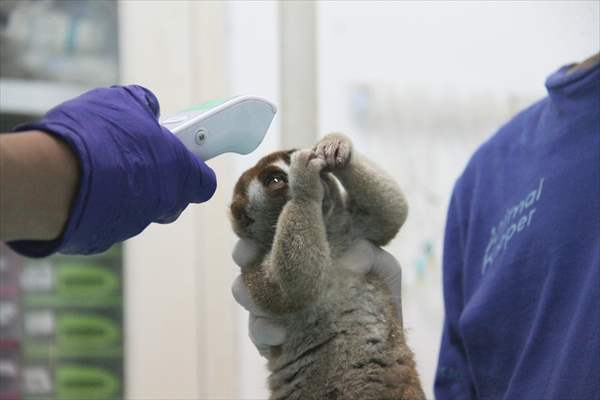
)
(259, 196)
(261, 193)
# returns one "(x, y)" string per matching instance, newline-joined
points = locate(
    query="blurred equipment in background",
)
(65, 41)
(61, 320)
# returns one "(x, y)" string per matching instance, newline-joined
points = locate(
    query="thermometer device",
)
(236, 125)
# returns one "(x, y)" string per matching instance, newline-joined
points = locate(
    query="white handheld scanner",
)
(236, 125)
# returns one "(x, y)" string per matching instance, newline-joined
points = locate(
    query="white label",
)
(39, 323)
(8, 311)
(37, 380)
(38, 278)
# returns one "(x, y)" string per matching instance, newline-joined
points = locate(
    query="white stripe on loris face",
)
(255, 191)
(281, 165)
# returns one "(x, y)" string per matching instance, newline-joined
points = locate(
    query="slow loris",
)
(345, 340)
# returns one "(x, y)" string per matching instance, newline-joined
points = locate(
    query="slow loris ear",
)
(287, 158)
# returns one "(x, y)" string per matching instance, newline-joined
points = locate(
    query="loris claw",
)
(335, 149)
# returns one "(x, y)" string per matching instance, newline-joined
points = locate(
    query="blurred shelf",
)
(34, 97)
(43, 350)
(54, 301)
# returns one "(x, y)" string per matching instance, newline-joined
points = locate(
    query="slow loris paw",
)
(336, 150)
(304, 176)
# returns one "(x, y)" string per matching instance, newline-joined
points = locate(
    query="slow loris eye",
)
(276, 181)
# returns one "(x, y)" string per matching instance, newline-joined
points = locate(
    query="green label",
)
(206, 105)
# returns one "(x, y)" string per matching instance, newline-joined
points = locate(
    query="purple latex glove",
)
(132, 170)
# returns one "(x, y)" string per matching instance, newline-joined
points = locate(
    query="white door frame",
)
(177, 301)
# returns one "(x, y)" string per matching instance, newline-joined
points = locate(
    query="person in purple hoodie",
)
(521, 258)
(95, 171)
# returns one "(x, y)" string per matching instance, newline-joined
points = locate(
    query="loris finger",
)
(319, 149)
(330, 153)
(342, 155)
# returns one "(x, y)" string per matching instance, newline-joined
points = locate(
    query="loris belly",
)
(306, 210)
(348, 345)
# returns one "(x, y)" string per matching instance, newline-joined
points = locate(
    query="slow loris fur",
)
(306, 209)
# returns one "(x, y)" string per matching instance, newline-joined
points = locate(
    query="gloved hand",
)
(268, 330)
(132, 170)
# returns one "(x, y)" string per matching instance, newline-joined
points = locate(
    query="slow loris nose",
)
(239, 213)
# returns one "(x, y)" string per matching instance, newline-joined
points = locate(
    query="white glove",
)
(268, 330)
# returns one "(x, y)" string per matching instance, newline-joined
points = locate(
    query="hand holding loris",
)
(267, 329)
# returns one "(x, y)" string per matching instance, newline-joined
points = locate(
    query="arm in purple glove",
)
(132, 171)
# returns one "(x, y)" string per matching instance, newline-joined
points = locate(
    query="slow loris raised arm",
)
(345, 340)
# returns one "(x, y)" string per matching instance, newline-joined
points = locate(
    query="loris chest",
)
(346, 338)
